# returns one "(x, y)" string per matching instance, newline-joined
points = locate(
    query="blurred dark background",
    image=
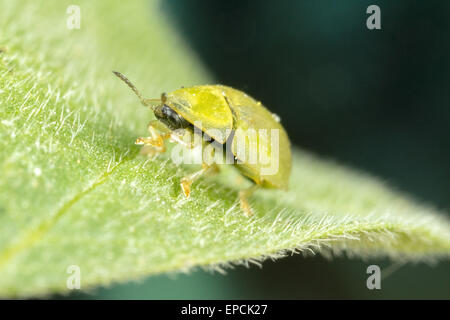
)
(378, 100)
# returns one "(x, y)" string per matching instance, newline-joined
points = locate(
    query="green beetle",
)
(225, 115)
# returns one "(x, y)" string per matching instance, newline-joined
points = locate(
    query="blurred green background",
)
(377, 100)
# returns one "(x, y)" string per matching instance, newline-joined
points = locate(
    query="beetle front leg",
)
(183, 137)
(156, 140)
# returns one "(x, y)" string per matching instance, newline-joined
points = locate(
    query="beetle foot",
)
(186, 186)
(245, 206)
(151, 145)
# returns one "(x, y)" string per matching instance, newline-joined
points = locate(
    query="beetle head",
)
(159, 107)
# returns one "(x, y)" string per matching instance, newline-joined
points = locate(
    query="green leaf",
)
(75, 191)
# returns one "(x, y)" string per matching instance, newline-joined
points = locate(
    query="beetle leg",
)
(157, 125)
(187, 181)
(207, 166)
(178, 136)
(156, 140)
(243, 198)
(158, 133)
(156, 144)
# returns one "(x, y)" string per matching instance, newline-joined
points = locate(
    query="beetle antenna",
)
(146, 102)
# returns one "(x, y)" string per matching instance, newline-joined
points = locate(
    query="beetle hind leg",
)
(243, 199)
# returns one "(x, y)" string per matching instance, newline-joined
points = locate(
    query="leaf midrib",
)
(34, 234)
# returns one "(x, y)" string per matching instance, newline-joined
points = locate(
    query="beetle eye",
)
(171, 118)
